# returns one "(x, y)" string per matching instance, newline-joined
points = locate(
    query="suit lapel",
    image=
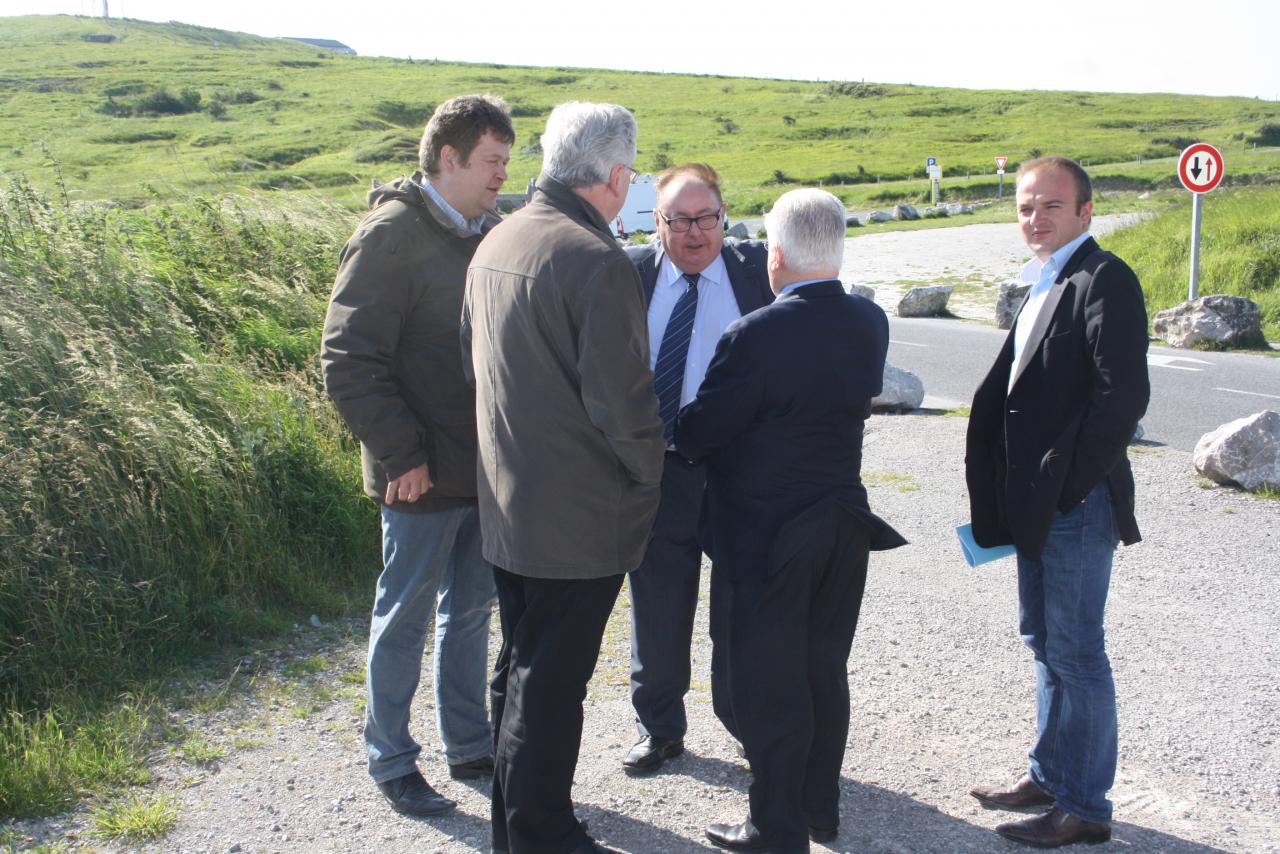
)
(742, 278)
(647, 267)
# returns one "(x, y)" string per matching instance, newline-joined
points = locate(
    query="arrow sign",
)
(1200, 167)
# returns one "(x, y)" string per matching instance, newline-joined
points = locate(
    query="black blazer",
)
(1064, 427)
(744, 259)
(779, 421)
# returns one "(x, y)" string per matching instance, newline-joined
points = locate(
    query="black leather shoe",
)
(411, 795)
(482, 767)
(1022, 794)
(1054, 829)
(823, 834)
(736, 837)
(650, 752)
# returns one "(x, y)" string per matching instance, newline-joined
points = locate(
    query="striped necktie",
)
(668, 373)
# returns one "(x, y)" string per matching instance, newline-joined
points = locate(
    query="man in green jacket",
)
(393, 367)
(571, 454)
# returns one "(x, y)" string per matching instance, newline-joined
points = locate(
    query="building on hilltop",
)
(327, 44)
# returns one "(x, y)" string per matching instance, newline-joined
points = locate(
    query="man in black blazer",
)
(729, 280)
(1047, 471)
(779, 422)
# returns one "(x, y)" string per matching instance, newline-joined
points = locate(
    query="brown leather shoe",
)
(1055, 828)
(1022, 794)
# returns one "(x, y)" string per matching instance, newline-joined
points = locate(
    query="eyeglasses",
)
(635, 173)
(681, 224)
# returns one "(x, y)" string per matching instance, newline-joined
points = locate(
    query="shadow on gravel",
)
(873, 819)
(877, 819)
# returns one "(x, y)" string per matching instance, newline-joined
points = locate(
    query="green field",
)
(165, 110)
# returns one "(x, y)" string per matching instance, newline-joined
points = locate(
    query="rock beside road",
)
(927, 301)
(902, 391)
(1244, 452)
(1012, 295)
(1218, 320)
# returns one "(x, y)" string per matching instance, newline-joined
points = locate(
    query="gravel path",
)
(942, 693)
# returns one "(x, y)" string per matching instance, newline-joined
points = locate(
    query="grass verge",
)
(1239, 251)
(172, 479)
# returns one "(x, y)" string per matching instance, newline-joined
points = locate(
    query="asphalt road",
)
(1192, 392)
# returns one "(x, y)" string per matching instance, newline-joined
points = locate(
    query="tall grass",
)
(171, 476)
(1239, 251)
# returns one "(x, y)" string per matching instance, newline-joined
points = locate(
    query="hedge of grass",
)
(171, 475)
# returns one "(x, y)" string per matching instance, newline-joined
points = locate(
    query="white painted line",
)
(1168, 362)
(1242, 391)
(906, 343)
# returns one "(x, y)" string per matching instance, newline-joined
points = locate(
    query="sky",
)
(1225, 47)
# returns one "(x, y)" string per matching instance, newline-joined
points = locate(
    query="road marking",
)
(1242, 391)
(1168, 362)
(906, 343)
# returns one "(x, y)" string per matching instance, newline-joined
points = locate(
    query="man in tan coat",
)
(571, 453)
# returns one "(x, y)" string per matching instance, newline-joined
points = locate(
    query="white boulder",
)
(928, 301)
(903, 391)
(1244, 452)
(1218, 320)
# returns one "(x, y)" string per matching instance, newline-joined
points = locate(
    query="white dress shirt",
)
(717, 308)
(1049, 272)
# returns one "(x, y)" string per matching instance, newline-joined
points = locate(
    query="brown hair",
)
(697, 171)
(1084, 188)
(459, 123)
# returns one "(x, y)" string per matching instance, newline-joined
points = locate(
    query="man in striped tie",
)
(696, 283)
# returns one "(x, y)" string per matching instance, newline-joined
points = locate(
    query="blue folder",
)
(975, 554)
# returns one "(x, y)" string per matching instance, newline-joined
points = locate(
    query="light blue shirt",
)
(1049, 273)
(717, 308)
(465, 226)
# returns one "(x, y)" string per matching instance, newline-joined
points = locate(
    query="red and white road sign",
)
(1000, 162)
(1200, 167)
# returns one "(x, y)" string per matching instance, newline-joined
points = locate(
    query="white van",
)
(637, 213)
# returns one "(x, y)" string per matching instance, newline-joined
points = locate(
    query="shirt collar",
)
(794, 285)
(1059, 258)
(716, 271)
(466, 227)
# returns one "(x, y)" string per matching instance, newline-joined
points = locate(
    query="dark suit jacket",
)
(744, 259)
(1064, 427)
(779, 421)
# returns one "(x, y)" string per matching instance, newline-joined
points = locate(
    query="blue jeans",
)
(431, 563)
(1062, 597)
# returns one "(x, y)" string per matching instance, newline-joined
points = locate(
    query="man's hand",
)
(410, 486)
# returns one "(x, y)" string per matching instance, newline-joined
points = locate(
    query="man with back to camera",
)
(779, 420)
(570, 458)
(696, 282)
(393, 367)
(1047, 470)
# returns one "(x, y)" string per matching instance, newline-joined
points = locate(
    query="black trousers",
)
(789, 638)
(551, 632)
(664, 600)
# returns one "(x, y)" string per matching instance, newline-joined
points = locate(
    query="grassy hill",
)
(143, 110)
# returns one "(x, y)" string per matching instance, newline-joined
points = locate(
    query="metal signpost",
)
(1000, 162)
(935, 177)
(1200, 169)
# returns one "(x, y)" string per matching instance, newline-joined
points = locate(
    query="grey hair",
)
(808, 225)
(583, 142)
